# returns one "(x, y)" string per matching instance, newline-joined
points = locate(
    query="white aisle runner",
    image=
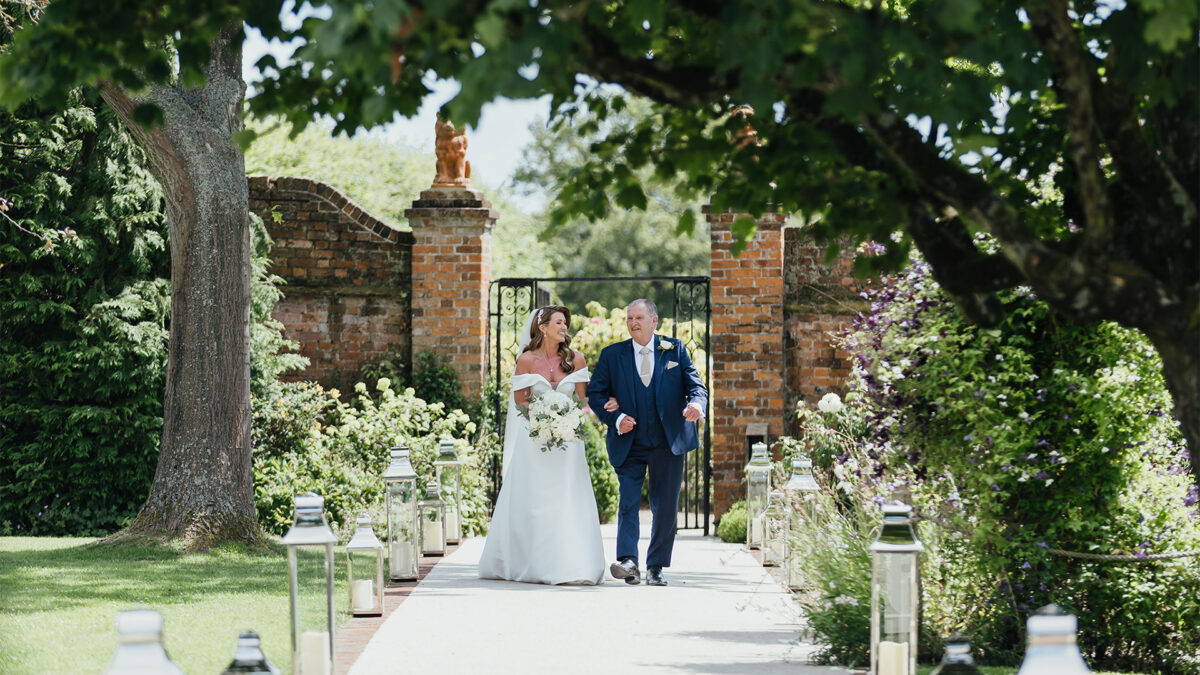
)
(720, 614)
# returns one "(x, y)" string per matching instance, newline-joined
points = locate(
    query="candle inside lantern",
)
(452, 525)
(893, 658)
(432, 534)
(756, 531)
(314, 653)
(401, 554)
(363, 595)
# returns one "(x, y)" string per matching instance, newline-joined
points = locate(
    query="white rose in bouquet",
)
(555, 419)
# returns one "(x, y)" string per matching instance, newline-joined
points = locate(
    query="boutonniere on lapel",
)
(665, 345)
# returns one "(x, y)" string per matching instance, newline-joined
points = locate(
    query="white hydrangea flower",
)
(554, 420)
(830, 403)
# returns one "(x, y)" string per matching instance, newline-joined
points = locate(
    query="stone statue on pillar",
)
(747, 135)
(453, 169)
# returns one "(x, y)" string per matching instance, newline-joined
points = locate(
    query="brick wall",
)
(348, 295)
(747, 398)
(451, 275)
(820, 300)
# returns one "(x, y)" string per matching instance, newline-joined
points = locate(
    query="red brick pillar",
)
(747, 345)
(451, 272)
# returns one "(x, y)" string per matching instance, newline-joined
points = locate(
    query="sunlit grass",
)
(59, 599)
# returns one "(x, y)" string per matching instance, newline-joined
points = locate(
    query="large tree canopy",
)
(1066, 131)
(625, 242)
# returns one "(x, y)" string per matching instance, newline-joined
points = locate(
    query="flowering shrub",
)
(833, 558)
(599, 328)
(835, 527)
(1015, 440)
(306, 438)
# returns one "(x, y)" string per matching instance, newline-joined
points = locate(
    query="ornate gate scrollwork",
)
(512, 300)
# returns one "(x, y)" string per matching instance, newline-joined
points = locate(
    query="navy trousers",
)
(666, 472)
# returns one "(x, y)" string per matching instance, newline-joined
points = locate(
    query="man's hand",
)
(611, 405)
(691, 413)
(626, 425)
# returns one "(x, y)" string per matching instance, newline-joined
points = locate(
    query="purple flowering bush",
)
(1017, 440)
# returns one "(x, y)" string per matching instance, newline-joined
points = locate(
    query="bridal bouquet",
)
(555, 419)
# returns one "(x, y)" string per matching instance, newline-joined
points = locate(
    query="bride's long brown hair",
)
(544, 315)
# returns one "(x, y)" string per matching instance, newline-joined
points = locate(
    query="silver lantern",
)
(895, 593)
(432, 513)
(801, 496)
(403, 539)
(139, 646)
(758, 487)
(364, 569)
(957, 660)
(310, 583)
(249, 657)
(1051, 647)
(449, 477)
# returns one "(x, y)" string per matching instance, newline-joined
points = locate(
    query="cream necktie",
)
(645, 368)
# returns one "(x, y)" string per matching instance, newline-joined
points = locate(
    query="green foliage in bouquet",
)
(732, 528)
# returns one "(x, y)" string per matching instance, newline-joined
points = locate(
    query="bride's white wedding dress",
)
(545, 529)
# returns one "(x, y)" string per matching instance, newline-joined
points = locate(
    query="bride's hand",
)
(611, 405)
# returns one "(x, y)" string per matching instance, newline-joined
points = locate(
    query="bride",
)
(545, 529)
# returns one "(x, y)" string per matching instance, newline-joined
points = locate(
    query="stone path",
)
(721, 613)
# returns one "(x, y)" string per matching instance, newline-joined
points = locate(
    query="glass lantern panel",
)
(312, 647)
(401, 539)
(363, 572)
(756, 505)
(775, 546)
(795, 574)
(401, 492)
(896, 585)
(450, 477)
(433, 531)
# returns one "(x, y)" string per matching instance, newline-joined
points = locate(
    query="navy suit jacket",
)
(674, 388)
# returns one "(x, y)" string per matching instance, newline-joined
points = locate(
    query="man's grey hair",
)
(651, 308)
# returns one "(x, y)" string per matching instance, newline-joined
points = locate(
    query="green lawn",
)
(59, 599)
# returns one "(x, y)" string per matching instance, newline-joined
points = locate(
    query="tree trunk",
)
(1179, 350)
(203, 490)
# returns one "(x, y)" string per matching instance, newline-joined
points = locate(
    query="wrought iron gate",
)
(511, 301)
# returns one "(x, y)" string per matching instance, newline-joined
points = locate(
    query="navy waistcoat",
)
(648, 432)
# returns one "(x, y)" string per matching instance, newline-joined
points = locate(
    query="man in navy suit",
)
(659, 397)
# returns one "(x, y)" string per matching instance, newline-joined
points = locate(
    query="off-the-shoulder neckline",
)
(543, 377)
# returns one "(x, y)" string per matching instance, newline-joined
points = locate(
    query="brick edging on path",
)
(353, 636)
